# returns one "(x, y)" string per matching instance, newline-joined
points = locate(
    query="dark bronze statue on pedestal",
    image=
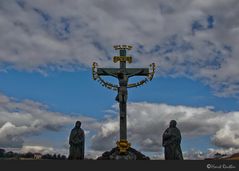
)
(77, 142)
(171, 142)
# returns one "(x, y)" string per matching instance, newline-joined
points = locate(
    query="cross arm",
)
(137, 72)
(107, 71)
(129, 72)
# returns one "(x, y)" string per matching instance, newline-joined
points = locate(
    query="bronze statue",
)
(122, 95)
(171, 142)
(77, 142)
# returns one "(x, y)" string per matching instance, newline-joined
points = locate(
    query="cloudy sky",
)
(47, 49)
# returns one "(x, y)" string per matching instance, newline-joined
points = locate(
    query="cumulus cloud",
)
(106, 136)
(10, 135)
(37, 149)
(20, 119)
(192, 38)
(195, 154)
(223, 151)
(147, 121)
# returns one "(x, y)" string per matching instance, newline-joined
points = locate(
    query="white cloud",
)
(37, 149)
(69, 34)
(223, 151)
(147, 121)
(93, 154)
(106, 136)
(194, 154)
(227, 136)
(20, 119)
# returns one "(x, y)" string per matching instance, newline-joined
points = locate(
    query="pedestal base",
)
(115, 154)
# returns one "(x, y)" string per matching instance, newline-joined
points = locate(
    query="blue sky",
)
(76, 93)
(47, 50)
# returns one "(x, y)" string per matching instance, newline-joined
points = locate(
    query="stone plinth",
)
(131, 154)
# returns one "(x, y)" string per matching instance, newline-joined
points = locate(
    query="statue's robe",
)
(171, 143)
(77, 144)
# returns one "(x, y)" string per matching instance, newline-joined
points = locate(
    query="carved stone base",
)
(115, 154)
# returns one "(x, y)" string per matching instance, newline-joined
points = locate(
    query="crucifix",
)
(122, 74)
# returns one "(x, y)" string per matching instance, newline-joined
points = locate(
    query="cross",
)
(122, 74)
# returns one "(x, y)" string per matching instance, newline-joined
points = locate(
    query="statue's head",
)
(78, 124)
(172, 123)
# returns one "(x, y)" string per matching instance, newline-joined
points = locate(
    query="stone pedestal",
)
(115, 154)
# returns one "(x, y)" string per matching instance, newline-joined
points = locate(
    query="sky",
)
(46, 53)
